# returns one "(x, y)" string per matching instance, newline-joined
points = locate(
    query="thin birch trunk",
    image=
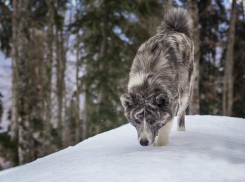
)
(14, 108)
(194, 107)
(84, 115)
(78, 83)
(228, 75)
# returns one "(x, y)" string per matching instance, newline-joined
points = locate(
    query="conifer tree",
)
(229, 64)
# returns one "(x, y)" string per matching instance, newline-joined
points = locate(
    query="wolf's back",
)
(176, 20)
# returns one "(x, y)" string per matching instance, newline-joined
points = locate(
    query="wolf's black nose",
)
(144, 142)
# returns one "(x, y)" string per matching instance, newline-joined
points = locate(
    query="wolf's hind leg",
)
(184, 102)
(163, 134)
(185, 97)
(181, 122)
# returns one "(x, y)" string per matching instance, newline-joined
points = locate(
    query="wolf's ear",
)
(162, 98)
(127, 100)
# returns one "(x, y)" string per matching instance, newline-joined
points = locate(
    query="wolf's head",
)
(147, 115)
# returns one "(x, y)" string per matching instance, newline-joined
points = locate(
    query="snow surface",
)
(212, 149)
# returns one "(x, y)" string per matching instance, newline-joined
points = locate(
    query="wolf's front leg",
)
(163, 134)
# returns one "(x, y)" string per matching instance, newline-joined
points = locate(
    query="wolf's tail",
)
(176, 20)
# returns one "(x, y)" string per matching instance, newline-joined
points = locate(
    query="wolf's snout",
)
(144, 142)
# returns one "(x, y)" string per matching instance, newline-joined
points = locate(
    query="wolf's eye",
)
(137, 121)
(150, 121)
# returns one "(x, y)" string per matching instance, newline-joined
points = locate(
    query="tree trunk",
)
(47, 101)
(60, 71)
(170, 3)
(78, 83)
(25, 145)
(14, 111)
(62, 86)
(228, 75)
(103, 51)
(194, 107)
(84, 115)
(58, 91)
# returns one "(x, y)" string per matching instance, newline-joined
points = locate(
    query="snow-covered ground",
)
(212, 149)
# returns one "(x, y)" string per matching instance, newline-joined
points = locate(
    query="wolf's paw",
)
(181, 128)
(161, 143)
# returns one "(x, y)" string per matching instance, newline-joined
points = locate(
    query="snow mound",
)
(212, 149)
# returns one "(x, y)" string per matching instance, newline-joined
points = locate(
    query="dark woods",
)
(71, 59)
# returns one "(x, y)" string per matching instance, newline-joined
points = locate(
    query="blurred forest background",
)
(65, 63)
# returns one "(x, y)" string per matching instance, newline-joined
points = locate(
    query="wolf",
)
(161, 80)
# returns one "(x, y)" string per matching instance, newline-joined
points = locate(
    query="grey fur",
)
(161, 77)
